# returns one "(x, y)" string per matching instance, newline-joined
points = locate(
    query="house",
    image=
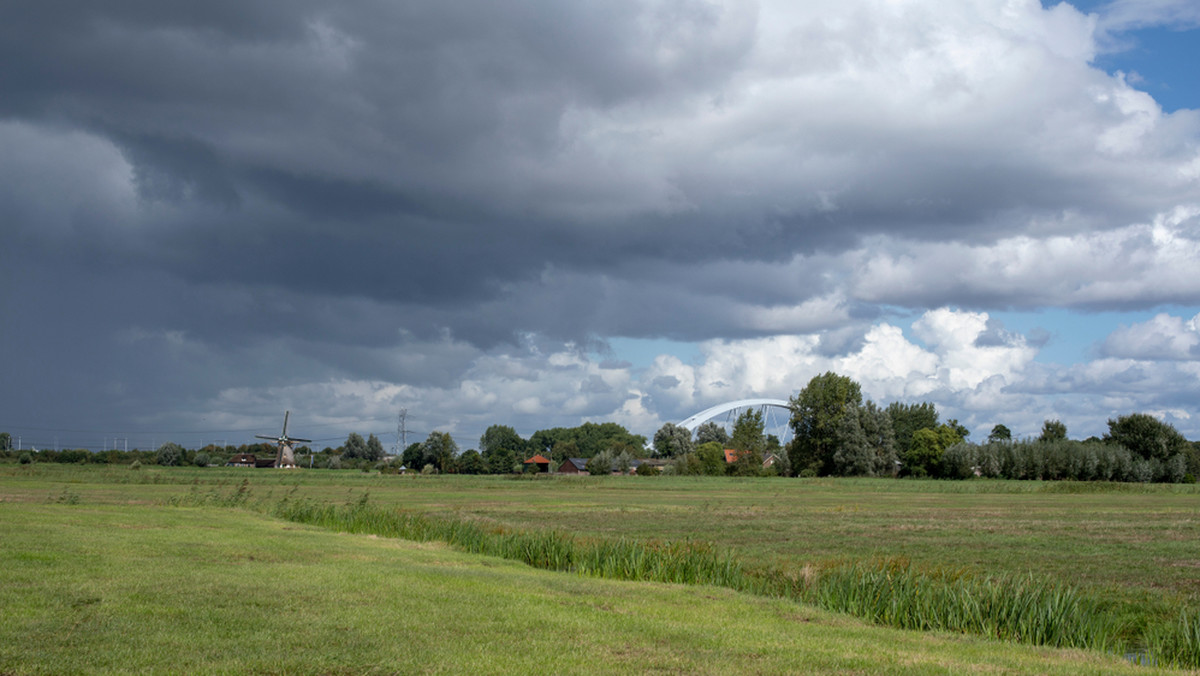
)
(659, 464)
(573, 466)
(542, 462)
(243, 460)
(732, 455)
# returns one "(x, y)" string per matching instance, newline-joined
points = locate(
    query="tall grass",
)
(625, 559)
(1008, 608)
(1177, 643)
(893, 593)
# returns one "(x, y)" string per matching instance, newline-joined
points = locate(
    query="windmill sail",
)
(285, 456)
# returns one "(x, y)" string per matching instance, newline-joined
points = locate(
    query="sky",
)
(539, 213)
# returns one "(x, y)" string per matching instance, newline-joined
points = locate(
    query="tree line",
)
(836, 432)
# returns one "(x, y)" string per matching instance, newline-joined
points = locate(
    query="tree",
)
(440, 451)
(749, 442)
(1053, 430)
(201, 460)
(672, 441)
(924, 457)
(907, 419)
(866, 445)
(5, 441)
(1147, 436)
(413, 456)
(501, 461)
(170, 454)
(471, 463)
(959, 429)
(589, 439)
(600, 464)
(501, 437)
(711, 458)
(374, 451)
(816, 412)
(854, 455)
(711, 431)
(355, 447)
(999, 433)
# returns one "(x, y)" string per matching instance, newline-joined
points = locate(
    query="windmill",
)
(285, 457)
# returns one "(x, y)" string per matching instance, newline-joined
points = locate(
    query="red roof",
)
(538, 460)
(731, 455)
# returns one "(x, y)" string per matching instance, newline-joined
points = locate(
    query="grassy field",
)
(1135, 546)
(103, 589)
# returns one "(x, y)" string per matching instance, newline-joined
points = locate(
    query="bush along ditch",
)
(892, 593)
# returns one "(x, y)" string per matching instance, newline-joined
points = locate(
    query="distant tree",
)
(816, 412)
(749, 442)
(999, 433)
(471, 463)
(170, 454)
(600, 464)
(501, 437)
(672, 441)
(355, 447)
(854, 455)
(1147, 436)
(711, 458)
(201, 460)
(1053, 430)
(413, 456)
(440, 451)
(501, 461)
(646, 469)
(564, 449)
(907, 419)
(959, 429)
(5, 441)
(711, 431)
(924, 457)
(374, 450)
(25, 458)
(866, 445)
(589, 439)
(623, 461)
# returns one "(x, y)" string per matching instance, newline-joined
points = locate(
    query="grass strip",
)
(891, 593)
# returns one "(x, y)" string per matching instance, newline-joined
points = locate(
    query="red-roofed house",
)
(542, 462)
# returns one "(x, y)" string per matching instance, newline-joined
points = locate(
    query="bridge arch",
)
(777, 413)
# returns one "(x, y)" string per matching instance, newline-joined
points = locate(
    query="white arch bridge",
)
(776, 413)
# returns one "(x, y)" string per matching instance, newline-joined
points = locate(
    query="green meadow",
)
(222, 570)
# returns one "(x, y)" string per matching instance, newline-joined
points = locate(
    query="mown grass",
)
(89, 588)
(1022, 609)
(1128, 549)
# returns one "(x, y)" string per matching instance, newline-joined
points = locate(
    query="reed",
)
(1008, 608)
(1178, 643)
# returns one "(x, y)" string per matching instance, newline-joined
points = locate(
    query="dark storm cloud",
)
(258, 194)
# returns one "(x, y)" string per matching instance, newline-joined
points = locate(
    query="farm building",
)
(249, 460)
(542, 462)
(573, 466)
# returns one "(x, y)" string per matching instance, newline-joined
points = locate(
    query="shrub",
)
(25, 459)
(170, 454)
(201, 460)
(136, 464)
(429, 469)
